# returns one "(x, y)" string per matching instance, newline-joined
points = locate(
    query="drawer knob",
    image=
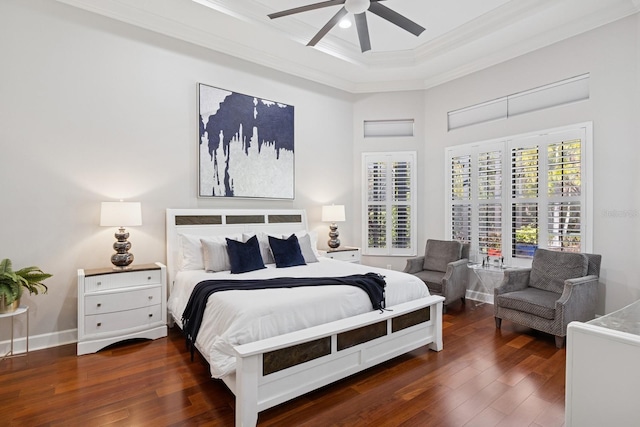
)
(150, 296)
(149, 278)
(99, 324)
(151, 315)
(99, 283)
(99, 305)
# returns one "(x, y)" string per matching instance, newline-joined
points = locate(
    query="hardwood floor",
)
(483, 377)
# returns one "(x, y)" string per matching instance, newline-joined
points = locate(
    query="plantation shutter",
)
(461, 218)
(490, 203)
(509, 197)
(389, 179)
(524, 200)
(564, 213)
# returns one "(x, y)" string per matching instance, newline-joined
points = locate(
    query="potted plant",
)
(526, 240)
(13, 282)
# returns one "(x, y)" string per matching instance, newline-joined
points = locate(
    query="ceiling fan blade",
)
(306, 8)
(395, 18)
(363, 31)
(328, 26)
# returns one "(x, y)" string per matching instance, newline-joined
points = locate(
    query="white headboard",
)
(226, 222)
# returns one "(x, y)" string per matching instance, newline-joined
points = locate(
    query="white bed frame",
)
(409, 326)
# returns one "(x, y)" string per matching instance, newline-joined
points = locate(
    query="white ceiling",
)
(462, 36)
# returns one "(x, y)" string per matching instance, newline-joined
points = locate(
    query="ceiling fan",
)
(358, 9)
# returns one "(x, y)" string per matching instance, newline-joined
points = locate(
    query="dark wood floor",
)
(483, 377)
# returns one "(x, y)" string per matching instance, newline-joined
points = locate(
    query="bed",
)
(272, 345)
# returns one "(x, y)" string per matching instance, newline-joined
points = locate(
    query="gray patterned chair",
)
(560, 287)
(443, 268)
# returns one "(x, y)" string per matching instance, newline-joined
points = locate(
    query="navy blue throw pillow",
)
(244, 257)
(287, 251)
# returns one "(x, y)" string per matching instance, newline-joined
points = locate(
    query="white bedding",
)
(240, 317)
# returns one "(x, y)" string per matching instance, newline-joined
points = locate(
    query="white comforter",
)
(240, 317)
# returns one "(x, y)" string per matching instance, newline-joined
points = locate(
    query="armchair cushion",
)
(439, 253)
(433, 279)
(550, 269)
(534, 301)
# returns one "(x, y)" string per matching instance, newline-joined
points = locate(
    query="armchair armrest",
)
(578, 299)
(456, 270)
(414, 265)
(456, 276)
(514, 280)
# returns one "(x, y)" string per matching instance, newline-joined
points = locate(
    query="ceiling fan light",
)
(345, 23)
(357, 6)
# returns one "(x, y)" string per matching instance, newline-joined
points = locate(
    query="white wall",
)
(612, 55)
(94, 110)
(389, 106)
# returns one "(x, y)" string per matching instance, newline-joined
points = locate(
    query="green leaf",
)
(5, 266)
(30, 278)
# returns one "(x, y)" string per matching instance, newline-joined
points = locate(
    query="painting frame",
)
(246, 145)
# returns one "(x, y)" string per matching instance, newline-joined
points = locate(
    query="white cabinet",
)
(603, 374)
(346, 253)
(117, 305)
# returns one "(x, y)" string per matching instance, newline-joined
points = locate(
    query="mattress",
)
(242, 316)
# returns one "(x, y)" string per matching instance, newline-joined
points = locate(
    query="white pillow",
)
(190, 252)
(313, 235)
(305, 247)
(265, 249)
(216, 257)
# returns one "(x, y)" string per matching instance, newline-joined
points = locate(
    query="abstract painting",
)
(246, 145)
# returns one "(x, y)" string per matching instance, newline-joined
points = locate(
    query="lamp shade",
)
(120, 214)
(333, 213)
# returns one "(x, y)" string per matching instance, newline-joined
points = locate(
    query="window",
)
(389, 180)
(508, 197)
(565, 91)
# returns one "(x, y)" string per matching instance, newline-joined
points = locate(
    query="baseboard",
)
(479, 296)
(40, 342)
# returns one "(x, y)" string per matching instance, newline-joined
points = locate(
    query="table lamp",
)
(333, 214)
(121, 215)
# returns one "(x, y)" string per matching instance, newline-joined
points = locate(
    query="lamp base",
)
(121, 261)
(122, 258)
(333, 242)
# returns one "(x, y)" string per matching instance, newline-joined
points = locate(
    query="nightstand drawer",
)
(345, 255)
(111, 302)
(122, 320)
(122, 280)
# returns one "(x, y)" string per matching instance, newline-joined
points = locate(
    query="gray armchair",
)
(443, 268)
(560, 287)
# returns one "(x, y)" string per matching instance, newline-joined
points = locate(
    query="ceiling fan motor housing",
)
(357, 6)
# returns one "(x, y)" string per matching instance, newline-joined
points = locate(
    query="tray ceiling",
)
(461, 36)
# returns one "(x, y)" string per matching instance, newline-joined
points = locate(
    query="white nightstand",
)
(345, 253)
(116, 305)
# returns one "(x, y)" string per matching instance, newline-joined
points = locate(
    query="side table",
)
(482, 282)
(23, 309)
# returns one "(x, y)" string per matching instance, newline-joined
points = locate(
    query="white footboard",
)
(275, 370)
